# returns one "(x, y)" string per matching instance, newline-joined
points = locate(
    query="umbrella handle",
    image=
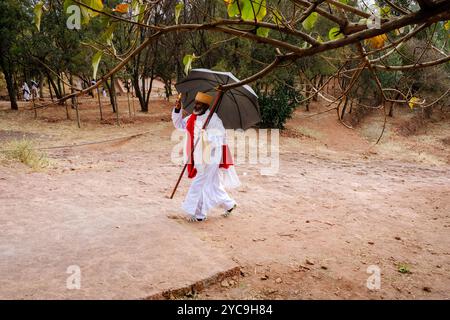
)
(213, 109)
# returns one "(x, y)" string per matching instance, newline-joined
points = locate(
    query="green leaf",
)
(95, 62)
(108, 35)
(85, 17)
(37, 14)
(253, 9)
(262, 10)
(262, 32)
(141, 12)
(179, 6)
(233, 9)
(187, 61)
(86, 14)
(385, 11)
(135, 5)
(447, 25)
(310, 21)
(335, 33)
(67, 3)
(96, 4)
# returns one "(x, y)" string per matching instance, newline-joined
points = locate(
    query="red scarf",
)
(226, 161)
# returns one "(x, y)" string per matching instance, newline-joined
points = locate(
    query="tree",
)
(289, 29)
(12, 17)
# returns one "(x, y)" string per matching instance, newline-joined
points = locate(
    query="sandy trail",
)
(310, 231)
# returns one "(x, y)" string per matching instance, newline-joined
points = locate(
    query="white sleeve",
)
(216, 133)
(215, 137)
(177, 119)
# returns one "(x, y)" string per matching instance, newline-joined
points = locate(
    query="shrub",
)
(277, 106)
(24, 151)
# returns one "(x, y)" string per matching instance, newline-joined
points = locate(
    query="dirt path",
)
(311, 231)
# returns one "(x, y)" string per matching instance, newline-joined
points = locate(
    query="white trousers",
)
(206, 192)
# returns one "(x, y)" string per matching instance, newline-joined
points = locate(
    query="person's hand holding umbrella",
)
(178, 102)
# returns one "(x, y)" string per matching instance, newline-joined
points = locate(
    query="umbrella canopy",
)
(239, 107)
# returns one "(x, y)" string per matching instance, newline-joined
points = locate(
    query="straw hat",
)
(203, 98)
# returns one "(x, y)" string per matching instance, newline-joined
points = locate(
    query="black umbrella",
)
(238, 108)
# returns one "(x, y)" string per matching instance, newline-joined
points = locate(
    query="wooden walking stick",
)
(213, 109)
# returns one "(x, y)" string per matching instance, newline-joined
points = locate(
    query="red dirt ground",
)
(338, 204)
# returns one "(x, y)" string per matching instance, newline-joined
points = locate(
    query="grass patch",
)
(403, 268)
(311, 133)
(24, 151)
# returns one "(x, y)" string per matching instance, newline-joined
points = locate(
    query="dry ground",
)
(338, 204)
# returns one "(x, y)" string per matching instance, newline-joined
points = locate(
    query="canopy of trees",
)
(379, 50)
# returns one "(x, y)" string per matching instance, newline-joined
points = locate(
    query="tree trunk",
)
(10, 86)
(314, 82)
(64, 102)
(75, 102)
(41, 86)
(135, 80)
(71, 90)
(54, 86)
(99, 103)
(128, 100)
(147, 100)
(344, 108)
(59, 86)
(111, 97)
(50, 88)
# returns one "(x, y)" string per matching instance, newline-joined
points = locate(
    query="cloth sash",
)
(225, 162)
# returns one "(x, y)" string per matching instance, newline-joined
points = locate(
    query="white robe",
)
(207, 190)
(26, 92)
(35, 91)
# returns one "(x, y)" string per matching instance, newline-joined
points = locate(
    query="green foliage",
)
(263, 32)
(391, 79)
(335, 33)
(95, 62)
(187, 61)
(247, 9)
(310, 21)
(278, 105)
(103, 41)
(178, 7)
(86, 14)
(38, 14)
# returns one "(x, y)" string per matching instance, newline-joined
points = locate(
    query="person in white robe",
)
(208, 169)
(35, 89)
(26, 91)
